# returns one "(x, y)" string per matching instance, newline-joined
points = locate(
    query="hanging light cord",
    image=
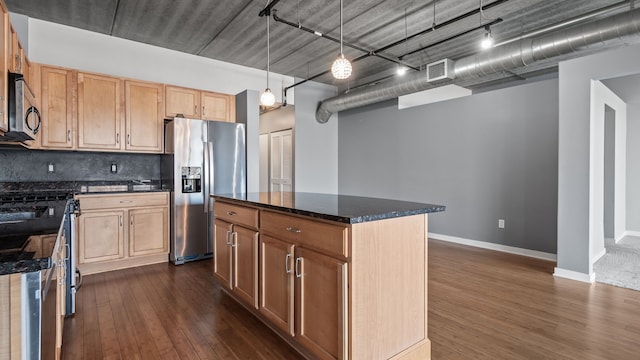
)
(268, 55)
(341, 27)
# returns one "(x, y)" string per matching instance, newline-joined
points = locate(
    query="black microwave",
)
(24, 117)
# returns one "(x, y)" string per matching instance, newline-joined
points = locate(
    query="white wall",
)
(61, 45)
(601, 96)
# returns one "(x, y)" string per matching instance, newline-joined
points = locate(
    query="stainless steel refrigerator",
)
(202, 158)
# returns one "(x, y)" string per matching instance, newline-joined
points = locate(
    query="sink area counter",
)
(341, 208)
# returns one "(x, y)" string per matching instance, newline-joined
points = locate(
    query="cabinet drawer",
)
(236, 214)
(328, 238)
(111, 201)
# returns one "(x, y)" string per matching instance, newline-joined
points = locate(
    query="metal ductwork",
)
(507, 57)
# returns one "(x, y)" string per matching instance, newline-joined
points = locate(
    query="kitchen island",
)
(336, 276)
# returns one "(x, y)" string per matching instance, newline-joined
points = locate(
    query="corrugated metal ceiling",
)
(232, 31)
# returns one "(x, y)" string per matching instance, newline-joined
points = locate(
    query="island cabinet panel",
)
(277, 282)
(222, 252)
(388, 285)
(335, 290)
(99, 112)
(321, 304)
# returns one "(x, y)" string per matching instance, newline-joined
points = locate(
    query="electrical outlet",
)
(50, 168)
(51, 211)
(501, 223)
(114, 168)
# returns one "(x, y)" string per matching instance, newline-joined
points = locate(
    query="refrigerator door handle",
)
(205, 188)
(211, 170)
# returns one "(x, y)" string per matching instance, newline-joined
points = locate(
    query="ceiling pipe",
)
(508, 57)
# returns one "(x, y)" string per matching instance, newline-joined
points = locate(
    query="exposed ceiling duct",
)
(507, 57)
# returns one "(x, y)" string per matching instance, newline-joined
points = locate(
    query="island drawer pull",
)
(231, 213)
(298, 260)
(286, 264)
(125, 201)
(294, 230)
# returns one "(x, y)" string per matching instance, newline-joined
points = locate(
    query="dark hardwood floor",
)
(482, 305)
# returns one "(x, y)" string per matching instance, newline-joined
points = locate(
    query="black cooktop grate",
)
(16, 197)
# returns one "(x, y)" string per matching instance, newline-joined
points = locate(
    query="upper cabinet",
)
(100, 114)
(144, 116)
(4, 28)
(182, 101)
(197, 104)
(57, 101)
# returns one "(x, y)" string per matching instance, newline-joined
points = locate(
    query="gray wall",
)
(31, 165)
(573, 149)
(248, 113)
(486, 157)
(609, 167)
(276, 120)
(315, 144)
(633, 166)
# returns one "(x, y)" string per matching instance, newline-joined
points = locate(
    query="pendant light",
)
(341, 68)
(267, 98)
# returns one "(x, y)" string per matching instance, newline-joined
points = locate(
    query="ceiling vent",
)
(440, 70)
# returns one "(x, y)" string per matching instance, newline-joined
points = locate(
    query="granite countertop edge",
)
(24, 266)
(428, 208)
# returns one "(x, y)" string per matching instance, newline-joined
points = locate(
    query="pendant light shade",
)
(267, 98)
(341, 68)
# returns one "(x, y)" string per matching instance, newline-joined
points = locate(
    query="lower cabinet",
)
(236, 260)
(122, 230)
(277, 282)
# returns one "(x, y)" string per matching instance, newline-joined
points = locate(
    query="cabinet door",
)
(222, 252)
(15, 61)
(57, 106)
(4, 28)
(276, 282)
(218, 107)
(245, 264)
(148, 231)
(100, 236)
(99, 112)
(321, 304)
(182, 101)
(144, 116)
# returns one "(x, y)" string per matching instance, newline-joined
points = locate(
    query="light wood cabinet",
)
(147, 231)
(196, 104)
(236, 260)
(144, 116)
(122, 230)
(277, 282)
(218, 107)
(4, 28)
(57, 101)
(100, 236)
(179, 100)
(100, 115)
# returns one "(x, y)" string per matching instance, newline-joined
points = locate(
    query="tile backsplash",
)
(17, 164)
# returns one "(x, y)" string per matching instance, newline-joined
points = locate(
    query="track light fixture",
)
(487, 40)
(341, 68)
(267, 98)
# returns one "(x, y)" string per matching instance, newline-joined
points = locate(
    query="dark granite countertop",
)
(341, 208)
(24, 253)
(85, 187)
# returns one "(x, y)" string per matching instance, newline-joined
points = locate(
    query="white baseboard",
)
(574, 275)
(497, 247)
(599, 255)
(629, 233)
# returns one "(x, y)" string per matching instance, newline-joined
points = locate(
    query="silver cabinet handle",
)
(234, 239)
(120, 220)
(128, 139)
(68, 135)
(131, 219)
(231, 213)
(195, 109)
(298, 260)
(294, 230)
(286, 264)
(203, 110)
(226, 239)
(1, 103)
(117, 138)
(125, 201)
